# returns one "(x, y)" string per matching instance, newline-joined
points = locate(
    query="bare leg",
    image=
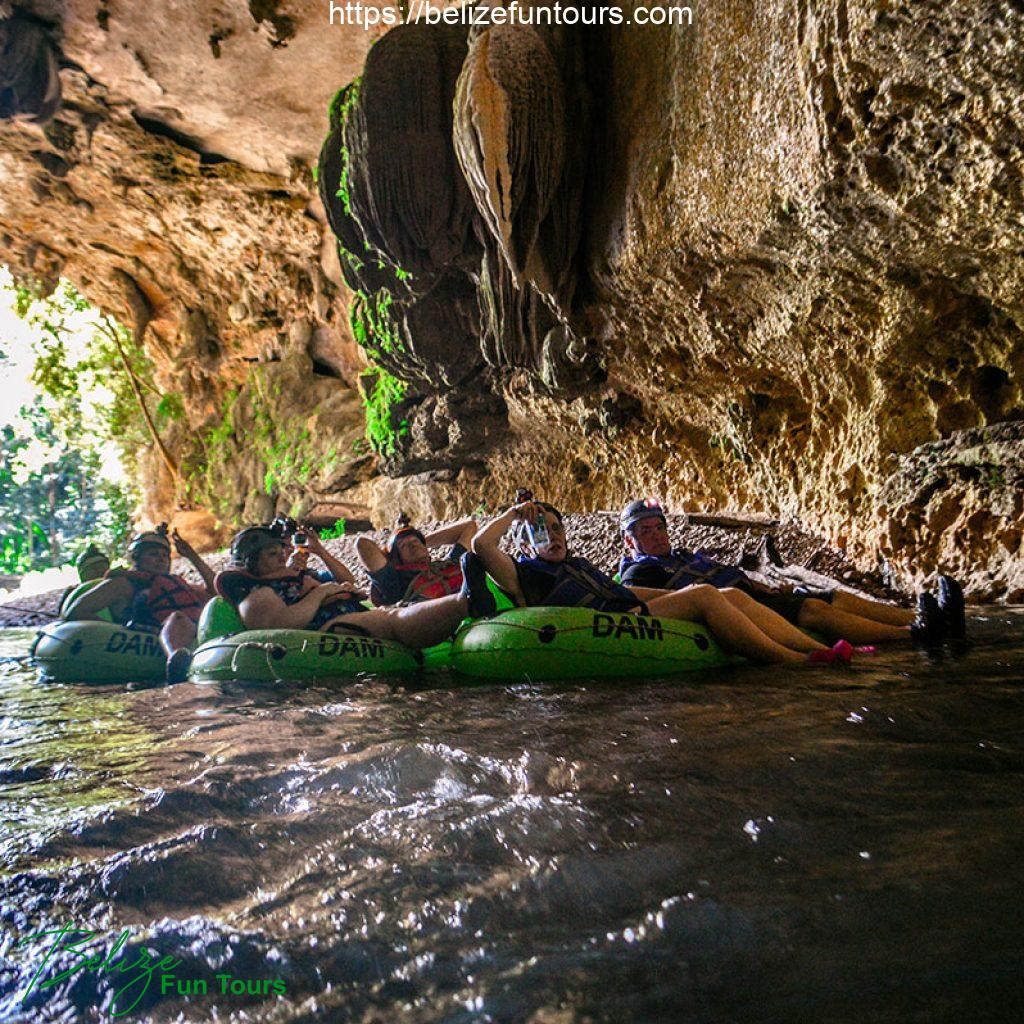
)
(835, 624)
(418, 625)
(732, 629)
(877, 611)
(178, 631)
(771, 623)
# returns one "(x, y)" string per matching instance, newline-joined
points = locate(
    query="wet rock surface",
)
(949, 500)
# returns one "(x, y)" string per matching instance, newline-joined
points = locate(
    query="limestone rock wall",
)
(771, 260)
(814, 265)
(785, 253)
(173, 184)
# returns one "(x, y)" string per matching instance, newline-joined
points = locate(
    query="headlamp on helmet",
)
(283, 526)
(248, 543)
(636, 511)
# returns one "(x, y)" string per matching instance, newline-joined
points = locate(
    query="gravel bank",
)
(784, 553)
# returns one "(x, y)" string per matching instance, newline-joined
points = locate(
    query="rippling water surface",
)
(776, 845)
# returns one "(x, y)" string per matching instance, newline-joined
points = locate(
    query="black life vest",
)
(680, 569)
(235, 585)
(575, 583)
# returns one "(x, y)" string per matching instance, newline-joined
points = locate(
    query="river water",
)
(751, 844)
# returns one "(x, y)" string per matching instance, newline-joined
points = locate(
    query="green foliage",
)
(375, 329)
(51, 510)
(350, 258)
(382, 397)
(373, 324)
(215, 449)
(54, 496)
(283, 445)
(62, 377)
(334, 532)
(26, 292)
(256, 419)
(330, 462)
(341, 107)
(170, 407)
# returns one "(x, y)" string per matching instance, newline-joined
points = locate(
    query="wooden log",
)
(722, 520)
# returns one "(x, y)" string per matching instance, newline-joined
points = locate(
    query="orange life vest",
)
(432, 579)
(159, 595)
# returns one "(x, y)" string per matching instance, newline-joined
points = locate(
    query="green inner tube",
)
(77, 592)
(518, 643)
(580, 643)
(229, 651)
(280, 655)
(97, 652)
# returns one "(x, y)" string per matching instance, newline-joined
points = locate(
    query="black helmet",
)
(248, 543)
(635, 511)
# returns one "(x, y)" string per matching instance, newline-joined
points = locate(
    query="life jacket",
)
(681, 569)
(432, 579)
(577, 583)
(235, 585)
(157, 596)
(170, 594)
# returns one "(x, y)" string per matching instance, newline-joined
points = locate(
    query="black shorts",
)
(788, 605)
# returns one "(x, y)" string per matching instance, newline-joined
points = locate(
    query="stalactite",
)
(29, 73)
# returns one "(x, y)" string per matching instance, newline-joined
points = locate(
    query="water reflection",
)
(823, 845)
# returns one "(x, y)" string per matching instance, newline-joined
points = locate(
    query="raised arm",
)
(338, 569)
(370, 554)
(500, 566)
(461, 532)
(263, 609)
(190, 554)
(92, 602)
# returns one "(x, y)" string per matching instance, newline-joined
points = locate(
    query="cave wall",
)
(746, 263)
(771, 260)
(172, 184)
(828, 196)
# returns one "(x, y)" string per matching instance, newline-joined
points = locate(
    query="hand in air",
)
(526, 510)
(181, 545)
(313, 541)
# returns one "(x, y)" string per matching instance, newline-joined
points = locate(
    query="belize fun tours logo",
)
(134, 973)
